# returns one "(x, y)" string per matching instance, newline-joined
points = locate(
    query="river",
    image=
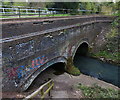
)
(98, 69)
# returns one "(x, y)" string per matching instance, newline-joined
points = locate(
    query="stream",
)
(98, 69)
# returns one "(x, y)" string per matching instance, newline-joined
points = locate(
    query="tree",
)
(67, 5)
(36, 4)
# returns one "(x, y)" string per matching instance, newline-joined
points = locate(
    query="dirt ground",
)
(64, 85)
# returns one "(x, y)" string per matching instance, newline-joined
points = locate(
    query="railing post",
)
(26, 10)
(16, 11)
(39, 11)
(62, 11)
(19, 12)
(3, 10)
(53, 11)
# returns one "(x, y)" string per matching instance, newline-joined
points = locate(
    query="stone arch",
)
(58, 66)
(70, 68)
(28, 82)
(81, 49)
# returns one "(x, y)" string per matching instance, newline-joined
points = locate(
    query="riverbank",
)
(68, 86)
(106, 47)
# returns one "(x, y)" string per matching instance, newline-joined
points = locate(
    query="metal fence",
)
(31, 11)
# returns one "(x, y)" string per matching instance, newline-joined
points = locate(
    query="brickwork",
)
(28, 48)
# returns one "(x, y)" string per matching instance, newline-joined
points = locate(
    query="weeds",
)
(96, 91)
(110, 52)
(71, 69)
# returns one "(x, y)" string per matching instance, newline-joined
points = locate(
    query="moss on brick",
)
(70, 68)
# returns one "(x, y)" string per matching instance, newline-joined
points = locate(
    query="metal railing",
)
(41, 90)
(32, 11)
(19, 11)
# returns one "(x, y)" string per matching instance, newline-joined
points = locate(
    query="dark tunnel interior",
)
(82, 50)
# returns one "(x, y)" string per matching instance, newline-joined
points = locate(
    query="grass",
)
(96, 91)
(113, 56)
(34, 16)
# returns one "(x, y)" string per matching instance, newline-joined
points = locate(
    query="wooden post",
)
(42, 92)
(48, 87)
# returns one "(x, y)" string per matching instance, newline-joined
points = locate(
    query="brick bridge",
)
(31, 45)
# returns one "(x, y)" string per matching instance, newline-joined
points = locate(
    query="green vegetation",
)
(113, 57)
(35, 16)
(96, 91)
(71, 69)
(110, 52)
(107, 8)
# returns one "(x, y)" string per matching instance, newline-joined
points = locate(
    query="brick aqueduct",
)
(31, 45)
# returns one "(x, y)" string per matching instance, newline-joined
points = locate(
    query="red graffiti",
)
(33, 63)
(42, 61)
(12, 72)
(21, 71)
(37, 63)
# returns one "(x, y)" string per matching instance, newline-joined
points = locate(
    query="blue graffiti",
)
(21, 71)
(37, 62)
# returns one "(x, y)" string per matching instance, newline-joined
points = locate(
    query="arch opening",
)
(82, 50)
(47, 74)
(58, 67)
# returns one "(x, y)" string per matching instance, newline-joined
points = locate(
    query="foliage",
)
(67, 5)
(20, 4)
(115, 7)
(36, 4)
(96, 91)
(71, 69)
(7, 3)
(110, 52)
(91, 7)
(118, 8)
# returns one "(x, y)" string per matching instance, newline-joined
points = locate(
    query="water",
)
(98, 69)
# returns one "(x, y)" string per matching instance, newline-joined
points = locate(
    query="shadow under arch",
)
(57, 68)
(82, 50)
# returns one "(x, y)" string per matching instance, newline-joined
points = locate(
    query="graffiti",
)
(23, 71)
(12, 72)
(38, 62)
